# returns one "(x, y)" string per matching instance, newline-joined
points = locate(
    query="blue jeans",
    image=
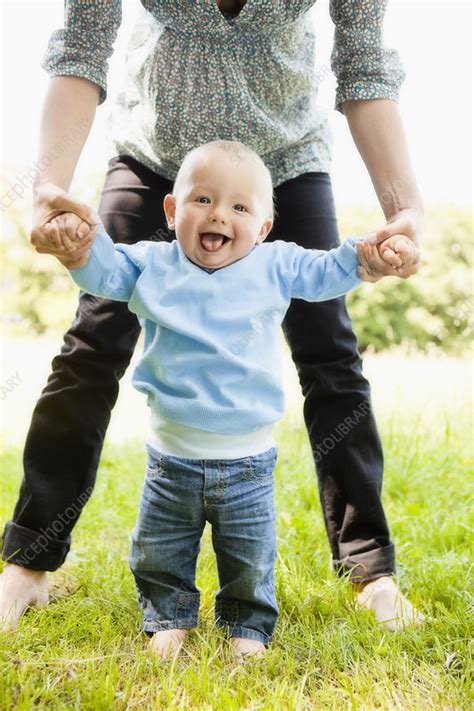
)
(236, 497)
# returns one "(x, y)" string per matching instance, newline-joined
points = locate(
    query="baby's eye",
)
(202, 197)
(242, 206)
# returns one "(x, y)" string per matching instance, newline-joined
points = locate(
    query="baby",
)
(211, 304)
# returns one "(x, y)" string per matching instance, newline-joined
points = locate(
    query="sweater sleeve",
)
(364, 68)
(319, 275)
(83, 46)
(113, 269)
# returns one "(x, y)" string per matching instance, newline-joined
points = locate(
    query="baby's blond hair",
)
(238, 151)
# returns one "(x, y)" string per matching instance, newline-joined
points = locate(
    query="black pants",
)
(70, 420)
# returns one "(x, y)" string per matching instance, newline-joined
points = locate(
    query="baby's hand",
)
(395, 252)
(66, 230)
(398, 251)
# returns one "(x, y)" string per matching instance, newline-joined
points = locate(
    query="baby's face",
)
(219, 212)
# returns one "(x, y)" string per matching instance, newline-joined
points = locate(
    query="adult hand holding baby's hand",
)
(68, 241)
(397, 255)
(393, 249)
(75, 228)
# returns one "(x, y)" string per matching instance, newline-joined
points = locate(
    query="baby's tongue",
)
(212, 242)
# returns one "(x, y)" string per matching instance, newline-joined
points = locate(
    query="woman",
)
(197, 72)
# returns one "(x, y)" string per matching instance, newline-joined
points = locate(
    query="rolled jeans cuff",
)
(180, 623)
(244, 632)
(370, 565)
(31, 549)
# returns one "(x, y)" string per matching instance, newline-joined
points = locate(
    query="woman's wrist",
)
(414, 214)
(416, 209)
(45, 184)
(401, 196)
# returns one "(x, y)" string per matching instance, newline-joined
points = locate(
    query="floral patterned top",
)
(194, 73)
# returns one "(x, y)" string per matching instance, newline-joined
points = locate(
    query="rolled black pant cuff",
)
(370, 565)
(36, 550)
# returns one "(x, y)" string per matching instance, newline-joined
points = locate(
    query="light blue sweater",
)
(212, 352)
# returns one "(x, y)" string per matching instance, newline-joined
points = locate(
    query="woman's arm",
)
(68, 114)
(369, 77)
(378, 133)
(77, 62)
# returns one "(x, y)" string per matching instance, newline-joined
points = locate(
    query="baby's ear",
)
(264, 231)
(169, 208)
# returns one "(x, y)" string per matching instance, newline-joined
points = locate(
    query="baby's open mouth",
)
(212, 242)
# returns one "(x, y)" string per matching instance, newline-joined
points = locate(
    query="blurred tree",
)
(431, 309)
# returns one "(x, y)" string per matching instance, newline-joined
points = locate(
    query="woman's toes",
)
(20, 588)
(391, 608)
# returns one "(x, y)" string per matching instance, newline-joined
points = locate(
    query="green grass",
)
(86, 651)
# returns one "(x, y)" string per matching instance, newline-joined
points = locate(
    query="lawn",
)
(86, 650)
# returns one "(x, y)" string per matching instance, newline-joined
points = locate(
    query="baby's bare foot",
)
(167, 643)
(391, 607)
(20, 588)
(243, 649)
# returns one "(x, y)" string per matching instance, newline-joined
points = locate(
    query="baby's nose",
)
(218, 215)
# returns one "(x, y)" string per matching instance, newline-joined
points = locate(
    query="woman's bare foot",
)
(167, 643)
(391, 607)
(243, 649)
(20, 588)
